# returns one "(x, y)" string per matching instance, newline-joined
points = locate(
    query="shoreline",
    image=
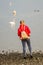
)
(17, 59)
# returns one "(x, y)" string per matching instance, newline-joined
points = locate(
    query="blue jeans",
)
(24, 41)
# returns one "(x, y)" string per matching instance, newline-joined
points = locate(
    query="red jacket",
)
(24, 28)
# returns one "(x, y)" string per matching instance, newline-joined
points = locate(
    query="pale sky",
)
(27, 10)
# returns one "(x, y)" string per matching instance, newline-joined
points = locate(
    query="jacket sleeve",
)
(28, 31)
(19, 34)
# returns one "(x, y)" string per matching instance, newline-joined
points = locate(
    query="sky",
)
(29, 10)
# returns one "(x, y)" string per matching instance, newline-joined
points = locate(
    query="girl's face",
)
(22, 23)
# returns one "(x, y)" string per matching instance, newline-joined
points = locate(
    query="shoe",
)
(24, 57)
(31, 56)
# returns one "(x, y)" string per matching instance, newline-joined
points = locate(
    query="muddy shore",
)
(17, 59)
